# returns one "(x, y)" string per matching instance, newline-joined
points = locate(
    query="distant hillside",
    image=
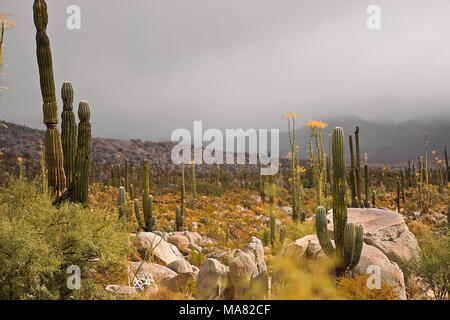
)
(19, 140)
(387, 143)
(384, 143)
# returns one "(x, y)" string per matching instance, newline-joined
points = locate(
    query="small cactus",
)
(121, 197)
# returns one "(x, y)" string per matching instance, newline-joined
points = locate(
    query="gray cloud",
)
(148, 67)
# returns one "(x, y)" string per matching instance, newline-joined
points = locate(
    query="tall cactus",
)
(147, 202)
(68, 131)
(348, 237)
(121, 198)
(149, 220)
(53, 146)
(352, 173)
(358, 164)
(83, 159)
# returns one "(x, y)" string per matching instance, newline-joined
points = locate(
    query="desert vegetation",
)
(323, 227)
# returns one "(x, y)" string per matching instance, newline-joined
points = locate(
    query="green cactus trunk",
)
(366, 185)
(352, 173)
(374, 199)
(127, 185)
(83, 159)
(68, 131)
(398, 198)
(358, 165)
(348, 237)
(121, 200)
(53, 145)
(178, 219)
(194, 182)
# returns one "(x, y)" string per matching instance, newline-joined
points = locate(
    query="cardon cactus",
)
(53, 146)
(149, 220)
(347, 236)
(83, 159)
(121, 198)
(178, 219)
(68, 131)
(147, 202)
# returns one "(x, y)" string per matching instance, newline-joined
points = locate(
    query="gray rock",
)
(180, 266)
(213, 281)
(150, 244)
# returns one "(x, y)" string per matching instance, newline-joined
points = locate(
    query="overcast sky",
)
(150, 66)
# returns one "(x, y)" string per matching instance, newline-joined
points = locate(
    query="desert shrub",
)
(196, 258)
(209, 189)
(296, 230)
(432, 267)
(356, 289)
(422, 232)
(39, 241)
(303, 280)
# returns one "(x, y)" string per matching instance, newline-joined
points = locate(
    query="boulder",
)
(150, 244)
(193, 237)
(157, 271)
(176, 283)
(213, 281)
(180, 241)
(390, 272)
(256, 250)
(180, 266)
(207, 242)
(384, 229)
(242, 270)
(195, 247)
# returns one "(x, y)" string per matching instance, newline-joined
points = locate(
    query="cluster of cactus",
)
(178, 219)
(149, 220)
(347, 236)
(317, 162)
(53, 145)
(295, 190)
(67, 156)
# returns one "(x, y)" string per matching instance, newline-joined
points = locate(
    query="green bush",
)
(297, 230)
(209, 189)
(39, 241)
(432, 267)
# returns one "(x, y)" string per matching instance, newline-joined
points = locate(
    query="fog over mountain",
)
(152, 66)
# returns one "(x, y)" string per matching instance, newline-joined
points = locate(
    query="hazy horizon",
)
(154, 66)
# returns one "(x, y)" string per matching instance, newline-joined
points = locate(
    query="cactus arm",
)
(349, 245)
(322, 232)
(359, 242)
